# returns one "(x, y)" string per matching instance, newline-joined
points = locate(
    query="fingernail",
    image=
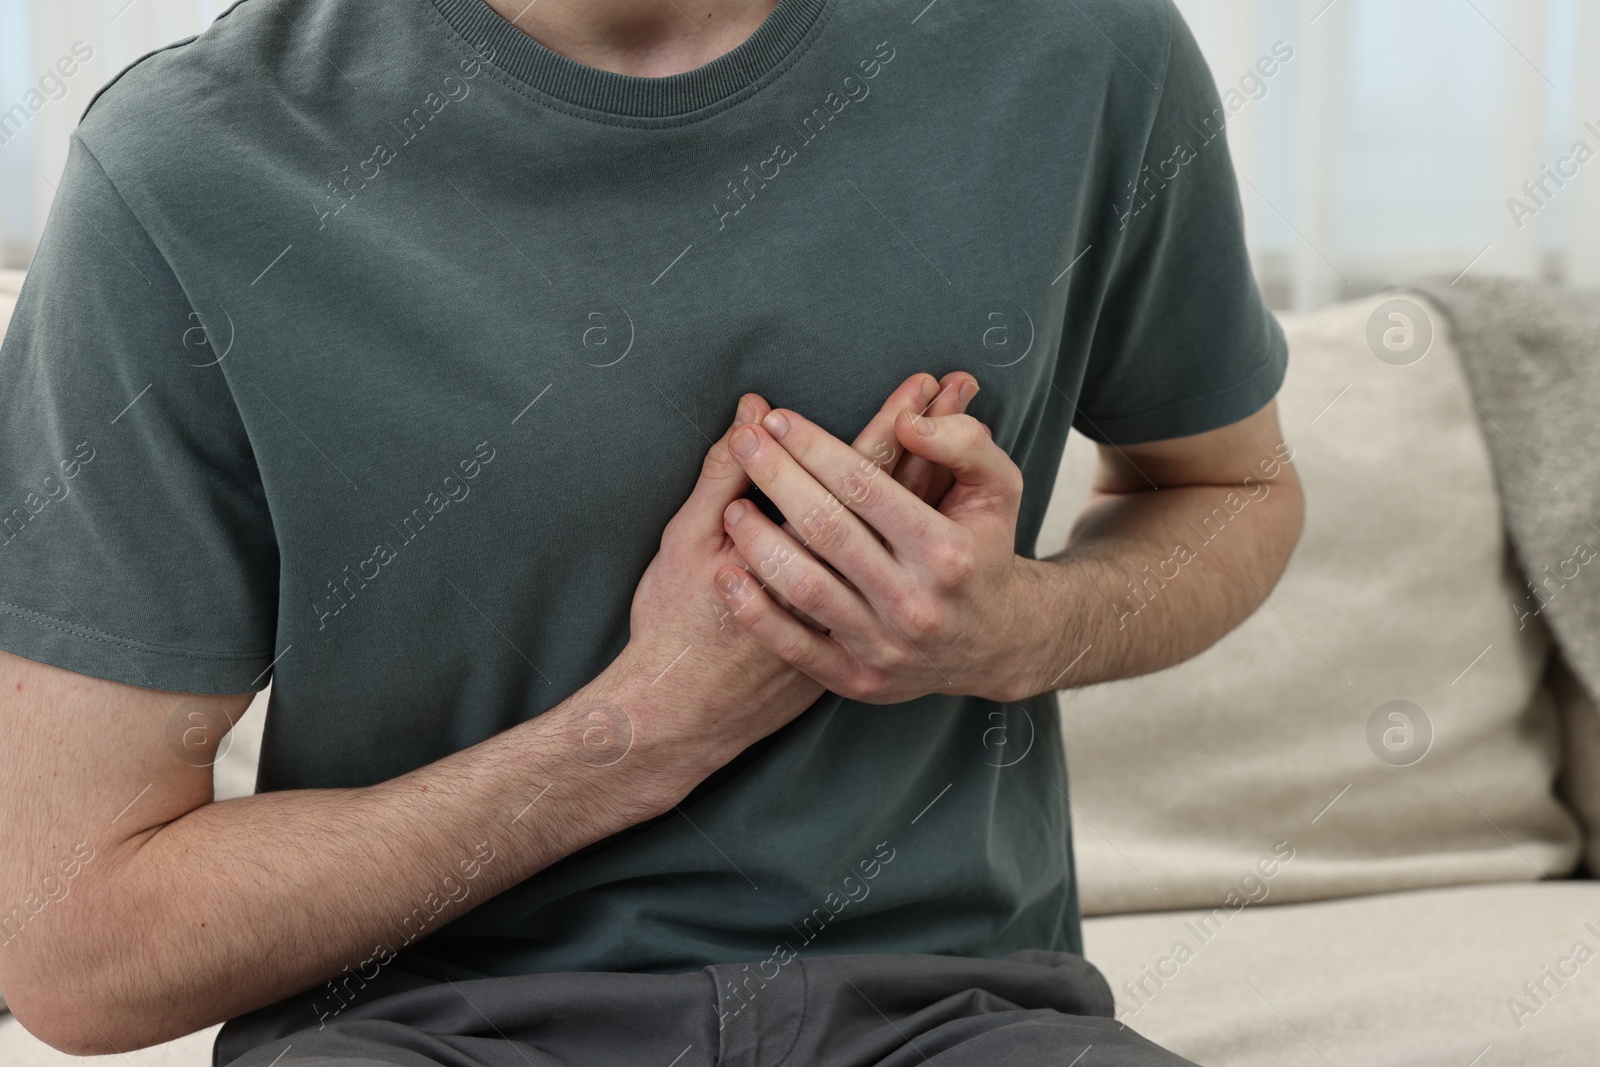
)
(969, 389)
(924, 425)
(746, 412)
(776, 424)
(930, 389)
(734, 512)
(730, 583)
(744, 442)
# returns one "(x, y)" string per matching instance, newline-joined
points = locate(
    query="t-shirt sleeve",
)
(135, 540)
(1184, 343)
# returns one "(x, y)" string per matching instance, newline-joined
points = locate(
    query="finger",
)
(794, 577)
(877, 441)
(779, 632)
(883, 504)
(929, 480)
(825, 525)
(961, 444)
(799, 538)
(721, 480)
(777, 598)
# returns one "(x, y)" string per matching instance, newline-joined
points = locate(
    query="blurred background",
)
(1375, 139)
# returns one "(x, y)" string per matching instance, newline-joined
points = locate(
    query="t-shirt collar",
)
(624, 94)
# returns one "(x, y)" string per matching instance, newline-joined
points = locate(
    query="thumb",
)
(963, 446)
(721, 480)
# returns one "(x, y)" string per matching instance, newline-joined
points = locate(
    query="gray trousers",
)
(1030, 1009)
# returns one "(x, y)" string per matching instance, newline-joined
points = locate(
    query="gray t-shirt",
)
(370, 346)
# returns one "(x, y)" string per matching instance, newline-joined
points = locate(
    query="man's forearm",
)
(1149, 579)
(240, 903)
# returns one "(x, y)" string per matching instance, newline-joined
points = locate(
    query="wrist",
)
(619, 733)
(1030, 632)
(668, 721)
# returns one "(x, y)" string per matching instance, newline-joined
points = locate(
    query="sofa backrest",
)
(1381, 722)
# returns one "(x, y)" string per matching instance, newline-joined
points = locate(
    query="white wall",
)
(39, 106)
(1388, 146)
(1391, 144)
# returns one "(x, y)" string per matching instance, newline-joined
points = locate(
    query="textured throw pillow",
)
(1380, 722)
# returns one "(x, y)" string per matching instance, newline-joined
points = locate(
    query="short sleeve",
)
(135, 541)
(1184, 343)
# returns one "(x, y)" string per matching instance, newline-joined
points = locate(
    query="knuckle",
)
(773, 563)
(808, 592)
(797, 653)
(740, 592)
(953, 561)
(858, 488)
(868, 686)
(970, 429)
(894, 654)
(718, 464)
(1013, 481)
(825, 529)
(918, 617)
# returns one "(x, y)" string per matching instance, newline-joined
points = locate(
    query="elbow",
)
(1282, 521)
(76, 1027)
(49, 1015)
(1294, 514)
(67, 1012)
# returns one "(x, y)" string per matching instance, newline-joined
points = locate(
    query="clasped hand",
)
(871, 591)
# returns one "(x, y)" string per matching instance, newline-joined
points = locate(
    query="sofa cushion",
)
(1428, 978)
(234, 773)
(1289, 730)
(10, 287)
(18, 1048)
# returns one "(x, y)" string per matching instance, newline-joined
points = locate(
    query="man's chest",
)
(600, 371)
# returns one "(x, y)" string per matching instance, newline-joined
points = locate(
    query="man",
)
(388, 350)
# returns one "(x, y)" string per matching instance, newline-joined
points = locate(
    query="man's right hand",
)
(709, 688)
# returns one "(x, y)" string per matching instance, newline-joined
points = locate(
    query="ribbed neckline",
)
(624, 94)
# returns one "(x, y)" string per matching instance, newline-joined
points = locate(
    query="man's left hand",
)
(906, 599)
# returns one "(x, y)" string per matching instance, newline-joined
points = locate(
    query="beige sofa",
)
(1429, 843)
(1275, 870)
